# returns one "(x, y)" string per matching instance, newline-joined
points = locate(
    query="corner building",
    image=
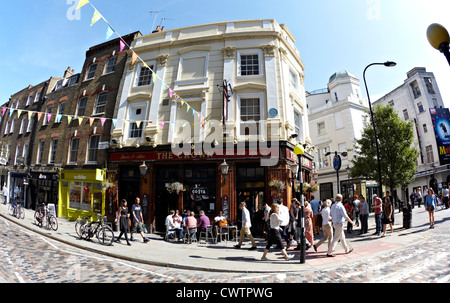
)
(175, 124)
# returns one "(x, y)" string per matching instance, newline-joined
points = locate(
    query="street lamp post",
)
(388, 64)
(299, 150)
(439, 38)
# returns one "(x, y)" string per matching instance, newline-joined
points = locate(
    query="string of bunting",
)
(135, 57)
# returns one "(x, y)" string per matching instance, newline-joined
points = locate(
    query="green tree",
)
(398, 154)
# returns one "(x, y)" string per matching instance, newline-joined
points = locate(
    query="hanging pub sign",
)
(441, 125)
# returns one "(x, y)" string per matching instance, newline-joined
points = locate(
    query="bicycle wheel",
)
(38, 218)
(78, 226)
(10, 209)
(21, 213)
(53, 222)
(17, 211)
(86, 231)
(105, 235)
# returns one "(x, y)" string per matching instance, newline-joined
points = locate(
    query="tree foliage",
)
(397, 152)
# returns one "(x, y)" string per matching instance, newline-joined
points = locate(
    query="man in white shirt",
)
(339, 216)
(246, 224)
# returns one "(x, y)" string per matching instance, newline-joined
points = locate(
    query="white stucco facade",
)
(192, 62)
(412, 101)
(337, 116)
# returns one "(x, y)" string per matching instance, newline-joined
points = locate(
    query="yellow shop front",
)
(81, 193)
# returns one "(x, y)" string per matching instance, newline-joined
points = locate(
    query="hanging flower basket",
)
(277, 185)
(175, 187)
(309, 187)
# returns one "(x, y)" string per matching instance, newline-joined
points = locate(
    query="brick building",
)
(18, 131)
(87, 136)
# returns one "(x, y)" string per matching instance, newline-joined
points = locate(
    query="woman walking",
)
(122, 222)
(274, 233)
(388, 213)
(326, 225)
(430, 205)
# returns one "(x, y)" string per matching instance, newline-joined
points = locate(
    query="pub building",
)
(211, 183)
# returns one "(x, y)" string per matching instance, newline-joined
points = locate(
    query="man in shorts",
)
(138, 220)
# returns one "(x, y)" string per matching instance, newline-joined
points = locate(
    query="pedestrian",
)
(412, 197)
(339, 216)
(326, 225)
(5, 193)
(377, 206)
(266, 219)
(315, 206)
(419, 196)
(138, 220)
(350, 209)
(292, 218)
(364, 214)
(388, 213)
(123, 218)
(309, 229)
(274, 233)
(430, 205)
(445, 196)
(391, 200)
(246, 224)
(356, 202)
(284, 214)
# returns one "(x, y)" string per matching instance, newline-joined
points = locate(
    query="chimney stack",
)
(69, 73)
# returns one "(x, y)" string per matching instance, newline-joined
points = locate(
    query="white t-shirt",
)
(284, 215)
(275, 221)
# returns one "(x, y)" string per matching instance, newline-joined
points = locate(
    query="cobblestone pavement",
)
(29, 257)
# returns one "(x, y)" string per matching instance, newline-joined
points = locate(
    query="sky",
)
(42, 38)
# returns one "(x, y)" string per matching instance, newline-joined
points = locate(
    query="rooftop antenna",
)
(163, 19)
(154, 20)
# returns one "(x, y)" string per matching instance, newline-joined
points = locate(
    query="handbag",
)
(129, 222)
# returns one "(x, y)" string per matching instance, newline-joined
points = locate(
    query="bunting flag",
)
(82, 3)
(3, 111)
(39, 115)
(122, 45)
(114, 121)
(58, 118)
(69, 119)
(170, 92)
(97, 16)
(19, 112)
(11, 110)
(103, 120)
(49, 116)
(162, 124)
(30, 114)
(133, 58)
(109, 33)
(91, 120)
(138, 123)
(80, 120)
(154, 77)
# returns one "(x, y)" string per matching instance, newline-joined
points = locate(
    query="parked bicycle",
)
(103, 232)
(43, 216)
(16, 210)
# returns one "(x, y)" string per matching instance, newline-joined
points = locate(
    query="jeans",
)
(378, 222)
(364, 223)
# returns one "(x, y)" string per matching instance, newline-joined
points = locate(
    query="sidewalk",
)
(223, 257)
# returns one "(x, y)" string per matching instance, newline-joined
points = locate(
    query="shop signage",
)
(168, 155)
(199, 191)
